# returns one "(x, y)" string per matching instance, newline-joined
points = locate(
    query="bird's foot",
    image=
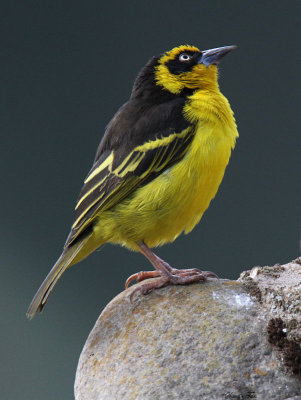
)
(167, 277)
(140, 276)
(174, 273)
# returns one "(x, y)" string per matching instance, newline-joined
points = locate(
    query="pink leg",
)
(165, 273)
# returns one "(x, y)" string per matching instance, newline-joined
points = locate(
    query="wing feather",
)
(117, 173)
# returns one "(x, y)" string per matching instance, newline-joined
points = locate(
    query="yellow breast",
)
(176, 200)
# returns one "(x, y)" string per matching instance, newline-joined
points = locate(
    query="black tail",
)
(65, 260)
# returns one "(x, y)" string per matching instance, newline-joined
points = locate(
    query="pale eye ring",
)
(184, 57)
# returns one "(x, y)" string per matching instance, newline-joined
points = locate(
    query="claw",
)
(140, 276)
(130, 279)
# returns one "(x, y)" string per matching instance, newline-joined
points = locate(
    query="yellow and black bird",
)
(157, 168)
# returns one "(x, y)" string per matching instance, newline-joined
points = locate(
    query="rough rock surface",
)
(200, 341)
(278, 289)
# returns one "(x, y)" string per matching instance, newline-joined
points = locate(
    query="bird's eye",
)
(184, 57)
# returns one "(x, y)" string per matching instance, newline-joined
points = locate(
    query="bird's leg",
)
(165, 272)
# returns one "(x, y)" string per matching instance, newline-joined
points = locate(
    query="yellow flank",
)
(176, 200)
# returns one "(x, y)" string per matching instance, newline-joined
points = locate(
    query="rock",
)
(200, 341)
(278, 289)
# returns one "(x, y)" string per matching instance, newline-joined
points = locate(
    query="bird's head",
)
(187, 67)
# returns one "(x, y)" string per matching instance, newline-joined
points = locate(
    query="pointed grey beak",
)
(213, 56)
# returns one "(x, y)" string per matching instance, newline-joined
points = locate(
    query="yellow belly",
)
(176, 200)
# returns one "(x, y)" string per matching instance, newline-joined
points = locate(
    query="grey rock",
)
(278, 289)
(200, 341)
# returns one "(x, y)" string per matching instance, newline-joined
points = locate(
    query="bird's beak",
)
(213, 56)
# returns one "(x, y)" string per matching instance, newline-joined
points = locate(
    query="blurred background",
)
(66, 67)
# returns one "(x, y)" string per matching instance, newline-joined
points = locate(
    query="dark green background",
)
(65, 69)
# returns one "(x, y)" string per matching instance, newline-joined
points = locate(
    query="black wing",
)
(140, 143)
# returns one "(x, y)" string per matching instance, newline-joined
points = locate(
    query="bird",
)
(157, 168)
